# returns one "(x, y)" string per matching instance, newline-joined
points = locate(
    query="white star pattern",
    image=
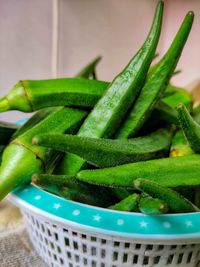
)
(120, 222)
(38, 197)
(189, 223)
(167, 225)
(56, 206)
(97, 217)
(143, 224)
(76, 212)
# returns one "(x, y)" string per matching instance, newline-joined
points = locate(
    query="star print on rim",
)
(169, 226)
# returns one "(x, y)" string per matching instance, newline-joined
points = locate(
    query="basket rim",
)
(127, 224)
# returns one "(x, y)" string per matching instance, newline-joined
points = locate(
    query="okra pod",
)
(174, 200)
(21, 159)
(130, 203)
(109, 152)
(156, 83)
(89, 70)
(112, 107)
(152, 206)
(190, 128)
(171, 172)
(70, 188)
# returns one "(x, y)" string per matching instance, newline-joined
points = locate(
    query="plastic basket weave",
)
(70, 234)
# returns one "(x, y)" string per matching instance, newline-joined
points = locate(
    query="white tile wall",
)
(113, 28)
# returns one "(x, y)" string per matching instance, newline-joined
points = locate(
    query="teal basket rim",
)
(168, 226)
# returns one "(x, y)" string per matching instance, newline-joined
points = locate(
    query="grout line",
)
(55, 38)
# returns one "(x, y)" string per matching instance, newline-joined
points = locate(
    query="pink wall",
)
(113, 28)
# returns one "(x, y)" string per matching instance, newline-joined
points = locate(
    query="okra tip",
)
(4, 105)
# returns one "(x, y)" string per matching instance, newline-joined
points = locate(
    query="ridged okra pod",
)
(190, 128)
(112, 107)
(156, 83)
(171, 172)
(152, 206)
(21, 159)
(109, 152)
(174, 200)
(130, 203)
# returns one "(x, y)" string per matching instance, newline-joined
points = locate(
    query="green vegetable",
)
(109, 152)
(156, 82)
(89, 70)
(172, 172)
(6, 131)
(181, 95)
(31, 95)
(121, 193)
(70, 188)
(21, 159)
(190, 128)
(152, 206)
(130, 203)
(174, 200)
(165, 113)
(111, 108)
(35, 119)
(180, 145)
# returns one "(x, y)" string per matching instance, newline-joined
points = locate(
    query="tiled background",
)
(114, 29)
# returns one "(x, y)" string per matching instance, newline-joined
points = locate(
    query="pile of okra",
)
(132, 144)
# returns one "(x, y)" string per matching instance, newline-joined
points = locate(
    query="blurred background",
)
(47, 38)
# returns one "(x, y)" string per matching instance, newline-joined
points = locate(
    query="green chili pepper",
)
(130, 203)
(190, 128)
(156, 82)
(109, 152)
(174, 200)
(111, 108)
(172, 172)
(152, 206)
(21, 158)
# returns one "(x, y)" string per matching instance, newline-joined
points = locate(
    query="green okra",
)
(112, 107)
(180, 145)
(121, 193)
(6, 131)
(109, 152)
(31, 95)
(156, 83)
(21, 159)
(196, 114)
(35, 119)
(190, 128)
(174, 200)
(171, 172)
(181, 95)
(165, 113)
(89, 70)
(152, 206)
(130, 203)
(70, 188)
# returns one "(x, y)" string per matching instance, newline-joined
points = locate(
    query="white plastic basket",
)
(70, 234)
